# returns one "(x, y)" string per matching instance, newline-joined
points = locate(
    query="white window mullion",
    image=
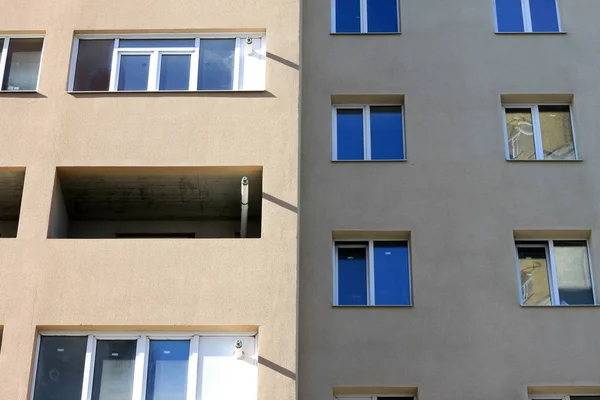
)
(73, 63)
(153, 71)
(194, 63)
(139, 374)
(537, 133)
(334, 154)
(367, 132)
(3, 56)
(364, 26)
(371, 273)
(238, 82)
(88, 369)
(114, 67)
(527, 24)
(192, 383)
(552, 272)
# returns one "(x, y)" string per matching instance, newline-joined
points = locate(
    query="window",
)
(372, 273)
(20, 63)
(365, 16)
(380, 397)
(180, 64)
(368, 133)
(184, 235)
(127, 366)
(555, 272)
(554, 397)
(527, 16)
(539, 132)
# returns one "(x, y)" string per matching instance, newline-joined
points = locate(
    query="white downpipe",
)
(244, 222)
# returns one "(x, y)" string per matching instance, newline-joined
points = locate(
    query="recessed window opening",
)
(514, 16)
(365, 16)
(20, 59)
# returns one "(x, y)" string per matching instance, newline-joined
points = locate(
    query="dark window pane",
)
(168, 370)
(573, 273)
(386, 133)
(350, 140)
(382, 16)
(133, 72)
(113, 370)
(392, 275)
(509, 15)
(148, 43)
(352, 276)
(216, 64)
(22, 64)
(92, 70)
(544, 15)
(175, 72)
(533, 266)
(347, 16)
(60, 366)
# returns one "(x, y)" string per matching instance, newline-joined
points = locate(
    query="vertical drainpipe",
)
(244, 221)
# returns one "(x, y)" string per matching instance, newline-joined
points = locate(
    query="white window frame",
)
(537, 130)
(366, 117)
(141, 359)
(527, 20)
(369, 245)
(560, 397)
(4, 57)
(551, 267)
(242, 54)
(364, 21)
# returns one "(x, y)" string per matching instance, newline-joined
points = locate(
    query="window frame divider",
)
(139, 369)
(552, 274)
(194, 66)
(364, 24)
(73, 65)
(367, 132)
(238, 65)
(537, 133)
(114, 64)
(88, 369)
(527, 21)
(193, 368)
(371, 273)
(3, 58)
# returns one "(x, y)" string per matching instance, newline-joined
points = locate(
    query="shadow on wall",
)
(277, 368)
(283, 61)
(279, 202)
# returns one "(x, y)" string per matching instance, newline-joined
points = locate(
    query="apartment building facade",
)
(449, 200)
(149, 199)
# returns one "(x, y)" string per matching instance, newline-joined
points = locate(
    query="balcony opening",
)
(11, 192)
(156, 202)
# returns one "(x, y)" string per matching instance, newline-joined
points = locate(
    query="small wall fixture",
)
(238, 353)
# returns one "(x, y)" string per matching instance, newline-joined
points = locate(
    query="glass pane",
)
(352, 276)
(22, 64)
(535, 289)
(113, 370)
(382, 16)
(216, 64)
(573, 273)
(350, 140)
(60, 366)
(387, 142)
(519, 126)
(544, 15)
(347, 16)
(133, 72)
(92, 70)
(509, 16)
(167, 370)
(557, 132)
(155, 43)
(392, 275)
(175, 72)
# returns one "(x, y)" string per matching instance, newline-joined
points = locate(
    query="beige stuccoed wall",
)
(175, 284)
(466, 337)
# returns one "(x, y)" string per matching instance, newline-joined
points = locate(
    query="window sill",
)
(531, 33)
(368, 161)
(545, 161)
(561, 306)
(365, 33)
(190, 92)
(375, 306)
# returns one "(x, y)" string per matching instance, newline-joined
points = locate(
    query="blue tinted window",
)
(350, 140)
(382, 16)
(387, 142)
(175, 72)
(133, 72)
(352, 276)
(544, 15)
(168, 370)
(392, 283)
(347, 16)
(147, 43)
(216, 64)
(509, 15)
